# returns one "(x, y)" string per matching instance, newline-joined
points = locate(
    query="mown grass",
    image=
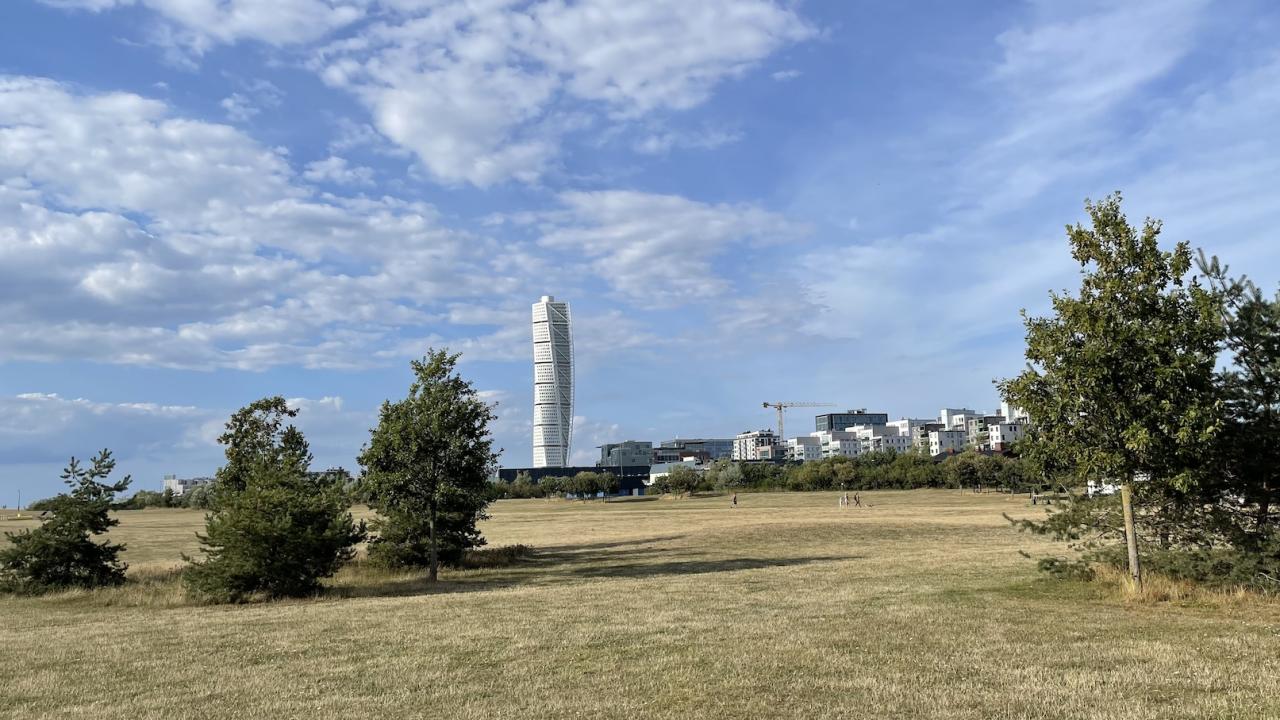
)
(787, 606)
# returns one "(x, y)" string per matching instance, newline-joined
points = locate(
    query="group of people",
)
(845, 501)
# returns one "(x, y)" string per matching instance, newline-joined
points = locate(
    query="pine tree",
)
(1248, 457)
(274, 528)
(61, 552)
(428, 462)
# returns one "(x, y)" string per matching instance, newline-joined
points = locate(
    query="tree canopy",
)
(1120, 378)
(428, 463)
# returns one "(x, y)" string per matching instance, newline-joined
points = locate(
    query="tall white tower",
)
(552, 383)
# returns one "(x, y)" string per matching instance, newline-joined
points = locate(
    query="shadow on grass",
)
(696, 567)
(561, 564)
(558, 549)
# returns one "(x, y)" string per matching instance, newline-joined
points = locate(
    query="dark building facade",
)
(630, 452)
(846, 420)
(715, 448)
(630, 477)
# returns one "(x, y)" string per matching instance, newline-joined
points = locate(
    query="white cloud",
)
(244, 106)
(39, 432)
(482, 91)
(197, 25)
(129, 235)
(661, 143)
(335, 170)
(39, 427)
(1086, 58)
(785, 75)
(239, 108)
(479, 90)
(658, 249)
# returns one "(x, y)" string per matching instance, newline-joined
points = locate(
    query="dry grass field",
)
(917, 607)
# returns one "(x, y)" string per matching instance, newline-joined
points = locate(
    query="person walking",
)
(844, 500)
(857, 501)
(735, 500)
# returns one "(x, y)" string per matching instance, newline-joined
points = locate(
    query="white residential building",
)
(1013, 413)
(871, 442)
(947, 441)
(804, 448)
(178, 486)
(1002, 435)
(772, 452)
(920, 434)
(950, 416)
(747, 445)
(960, 421)
(552, 383)
(838, 442)
(909, 427)
(976, 428)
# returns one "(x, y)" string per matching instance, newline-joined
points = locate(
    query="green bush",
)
(279, 536)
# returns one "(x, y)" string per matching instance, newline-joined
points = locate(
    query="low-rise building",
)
(715, 448)
(871, 441)
(976, 428)
(664, 469)
(748, 445)
(1001, 436)
(772, 452)
(944, 442)
(950, 416)
(838, 443)
(670, 455)
(804, 448)
(178, 486)
(628, 452)
(920, 435)
(908, 427)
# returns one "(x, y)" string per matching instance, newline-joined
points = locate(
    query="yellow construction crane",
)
(781, 406)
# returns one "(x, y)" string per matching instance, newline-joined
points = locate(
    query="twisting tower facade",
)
(552, 383)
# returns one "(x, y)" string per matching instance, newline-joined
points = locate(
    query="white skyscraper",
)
(552, 383)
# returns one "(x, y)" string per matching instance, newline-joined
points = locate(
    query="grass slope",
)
(917, 607)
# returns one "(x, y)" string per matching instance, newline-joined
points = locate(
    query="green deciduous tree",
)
(274, 528)
(257, 436)
(1120, 377)
(61, 553)
(428, 462)
(682, 479)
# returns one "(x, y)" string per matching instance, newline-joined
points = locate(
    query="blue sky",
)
(203, 202)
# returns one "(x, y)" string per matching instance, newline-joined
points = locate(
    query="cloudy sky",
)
(203, 202)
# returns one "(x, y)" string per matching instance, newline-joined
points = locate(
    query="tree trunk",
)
(1264, 509)
(434, 569)
(1130, 533)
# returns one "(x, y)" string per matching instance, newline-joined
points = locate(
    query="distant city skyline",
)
(202, 204)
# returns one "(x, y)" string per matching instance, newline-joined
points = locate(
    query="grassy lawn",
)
(919, 606)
